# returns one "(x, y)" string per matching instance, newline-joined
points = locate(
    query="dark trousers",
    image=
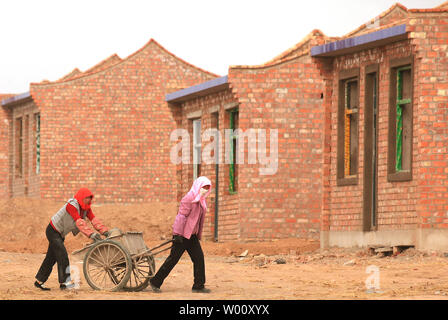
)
(193, 247)
(56, 253)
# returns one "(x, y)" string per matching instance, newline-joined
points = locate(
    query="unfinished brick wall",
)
(109, 130)
(286, 96)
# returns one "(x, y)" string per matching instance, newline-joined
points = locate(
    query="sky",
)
(47, 39)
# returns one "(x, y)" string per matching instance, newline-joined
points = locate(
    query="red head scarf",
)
(81, 195)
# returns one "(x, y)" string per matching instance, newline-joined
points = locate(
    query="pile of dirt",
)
(23, 223)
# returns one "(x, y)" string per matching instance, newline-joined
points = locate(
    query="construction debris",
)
(350, 263)
(244, 254)
(280, 261)
(388, 250)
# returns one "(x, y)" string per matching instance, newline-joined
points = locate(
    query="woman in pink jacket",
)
(187, 231)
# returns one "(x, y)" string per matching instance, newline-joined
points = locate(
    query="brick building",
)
(284, 98)
(386, 131)
(358, 123)
(345, 173)
(107, 128)
(198, 110)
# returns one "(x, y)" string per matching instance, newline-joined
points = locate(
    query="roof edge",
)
(151, 41)
(16, 99)
(182, 60)
(429, 10)
(380, 16)
(197, 90)
(289, 52)
(112, 59)
(338, 47)
(288, 55)
(266, 66)
(443, 5)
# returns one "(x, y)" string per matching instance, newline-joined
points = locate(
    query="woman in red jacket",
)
(70, 218)
(187, 231)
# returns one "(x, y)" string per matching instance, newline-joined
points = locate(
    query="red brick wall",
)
(110, 130)
(327, 76)
(396, 200)
(228, 207)
(28, 182)
(5, 122)
(285, 96)
(430, 36)
(422, 202)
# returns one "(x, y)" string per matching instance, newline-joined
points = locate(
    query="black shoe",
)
(41, 286)
(202, 290)
(154, 288)
(67, 286)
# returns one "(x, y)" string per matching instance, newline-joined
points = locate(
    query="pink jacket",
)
(192, 210)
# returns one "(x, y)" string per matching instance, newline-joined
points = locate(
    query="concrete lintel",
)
(213, 109)
(194, 114)
(230, 105)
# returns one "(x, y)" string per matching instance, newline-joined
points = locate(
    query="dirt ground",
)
(290, 269)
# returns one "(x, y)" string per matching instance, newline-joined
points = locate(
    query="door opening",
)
(370, 215)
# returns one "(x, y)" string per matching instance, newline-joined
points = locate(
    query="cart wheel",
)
(143, 269)
(107, 266)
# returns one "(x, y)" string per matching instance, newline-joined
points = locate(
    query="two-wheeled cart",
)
(120, 262)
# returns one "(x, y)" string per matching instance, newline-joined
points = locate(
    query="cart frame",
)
(120, 262)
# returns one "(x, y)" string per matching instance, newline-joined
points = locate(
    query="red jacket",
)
(77, 214)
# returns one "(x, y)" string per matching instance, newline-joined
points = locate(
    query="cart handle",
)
(161, 245)
(155, 253)
(152, 249)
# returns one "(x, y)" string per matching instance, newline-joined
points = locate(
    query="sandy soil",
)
(284, 269)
